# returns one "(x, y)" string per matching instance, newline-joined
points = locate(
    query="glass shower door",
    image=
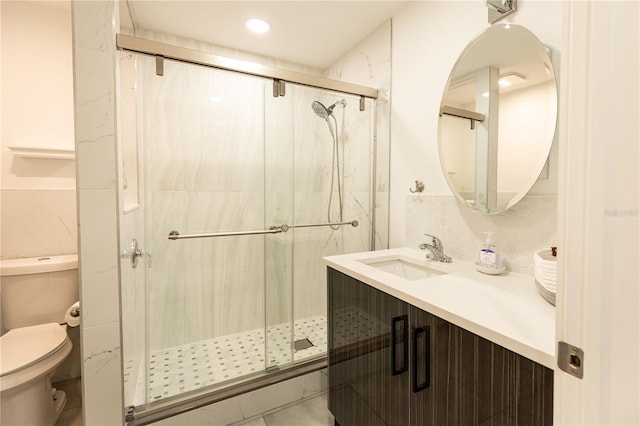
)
(278, 207)
(242, 195)
(212, 301)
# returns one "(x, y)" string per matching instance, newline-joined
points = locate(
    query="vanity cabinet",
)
(391, 363)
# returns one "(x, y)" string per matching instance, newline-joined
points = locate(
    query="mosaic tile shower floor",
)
(180, 369)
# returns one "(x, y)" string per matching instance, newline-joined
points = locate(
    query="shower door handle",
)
(133, 253)
(353, 223)
(175, 235)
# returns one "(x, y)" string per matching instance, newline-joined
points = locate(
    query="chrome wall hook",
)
(498, 9)
(419, 187)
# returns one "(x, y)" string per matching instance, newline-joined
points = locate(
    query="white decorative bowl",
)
(545, 271)
(549, 296)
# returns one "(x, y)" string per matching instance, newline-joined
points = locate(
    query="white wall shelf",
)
(45, 153)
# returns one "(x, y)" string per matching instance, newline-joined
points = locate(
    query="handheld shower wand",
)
(324, 113)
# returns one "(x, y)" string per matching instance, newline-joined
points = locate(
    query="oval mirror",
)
(497, 118)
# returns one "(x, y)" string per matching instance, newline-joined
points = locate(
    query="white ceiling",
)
(314, 33)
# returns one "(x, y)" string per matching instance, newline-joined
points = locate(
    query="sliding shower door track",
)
(167, 51)
(143, 415)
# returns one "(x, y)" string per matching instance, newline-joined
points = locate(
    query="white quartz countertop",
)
(505, 309)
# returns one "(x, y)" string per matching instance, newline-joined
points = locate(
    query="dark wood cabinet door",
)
(478, 382)
(393, 364)
(368, 333)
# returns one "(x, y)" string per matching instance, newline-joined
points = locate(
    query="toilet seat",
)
(23, 347)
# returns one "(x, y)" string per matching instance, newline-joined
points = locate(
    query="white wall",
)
(37, 86)
(38, 195)
(427, 39)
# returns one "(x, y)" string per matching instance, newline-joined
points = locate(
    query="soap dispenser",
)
(489, 258)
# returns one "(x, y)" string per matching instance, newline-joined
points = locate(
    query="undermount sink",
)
(403, 267)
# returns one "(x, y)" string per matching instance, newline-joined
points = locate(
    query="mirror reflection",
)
(497, 118)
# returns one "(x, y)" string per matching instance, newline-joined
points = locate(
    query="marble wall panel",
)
(95, 77)
(99, 257)
(102, 376)
(38, 223)
(95, 132)
(203, 288)
(369, 64)
(527, 227)
(358, 207)
(313, 146)
(357, 145)
(204, 129)
(311, 244)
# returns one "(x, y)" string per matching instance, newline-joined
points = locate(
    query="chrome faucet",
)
(436, 250)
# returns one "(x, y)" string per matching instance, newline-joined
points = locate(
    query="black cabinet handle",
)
(394, 346)
(417, 387)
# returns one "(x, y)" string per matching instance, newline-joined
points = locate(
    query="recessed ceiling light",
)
(259, 26)
(510, 79)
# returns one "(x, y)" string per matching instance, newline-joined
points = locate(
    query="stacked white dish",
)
(545, 266)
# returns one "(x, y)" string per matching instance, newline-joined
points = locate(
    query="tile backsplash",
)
(519, 232)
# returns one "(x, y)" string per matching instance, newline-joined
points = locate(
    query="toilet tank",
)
(37, 290)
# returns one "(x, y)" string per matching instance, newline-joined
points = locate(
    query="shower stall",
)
(242, 183)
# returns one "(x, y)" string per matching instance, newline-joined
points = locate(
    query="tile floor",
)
(187, 367)
(309, 412)
(72, 413)
(184, 368)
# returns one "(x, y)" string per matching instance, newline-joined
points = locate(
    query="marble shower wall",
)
(203, 133)
(223, 154)
(369, 64)
(312, 189)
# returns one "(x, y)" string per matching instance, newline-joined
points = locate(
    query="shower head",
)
(320, 110)
(324, 112)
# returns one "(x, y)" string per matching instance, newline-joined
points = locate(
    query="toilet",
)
(36, 294)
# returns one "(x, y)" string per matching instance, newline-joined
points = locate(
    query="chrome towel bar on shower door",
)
(175, 235)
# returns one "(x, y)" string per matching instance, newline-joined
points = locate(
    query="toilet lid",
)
(21, 347)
